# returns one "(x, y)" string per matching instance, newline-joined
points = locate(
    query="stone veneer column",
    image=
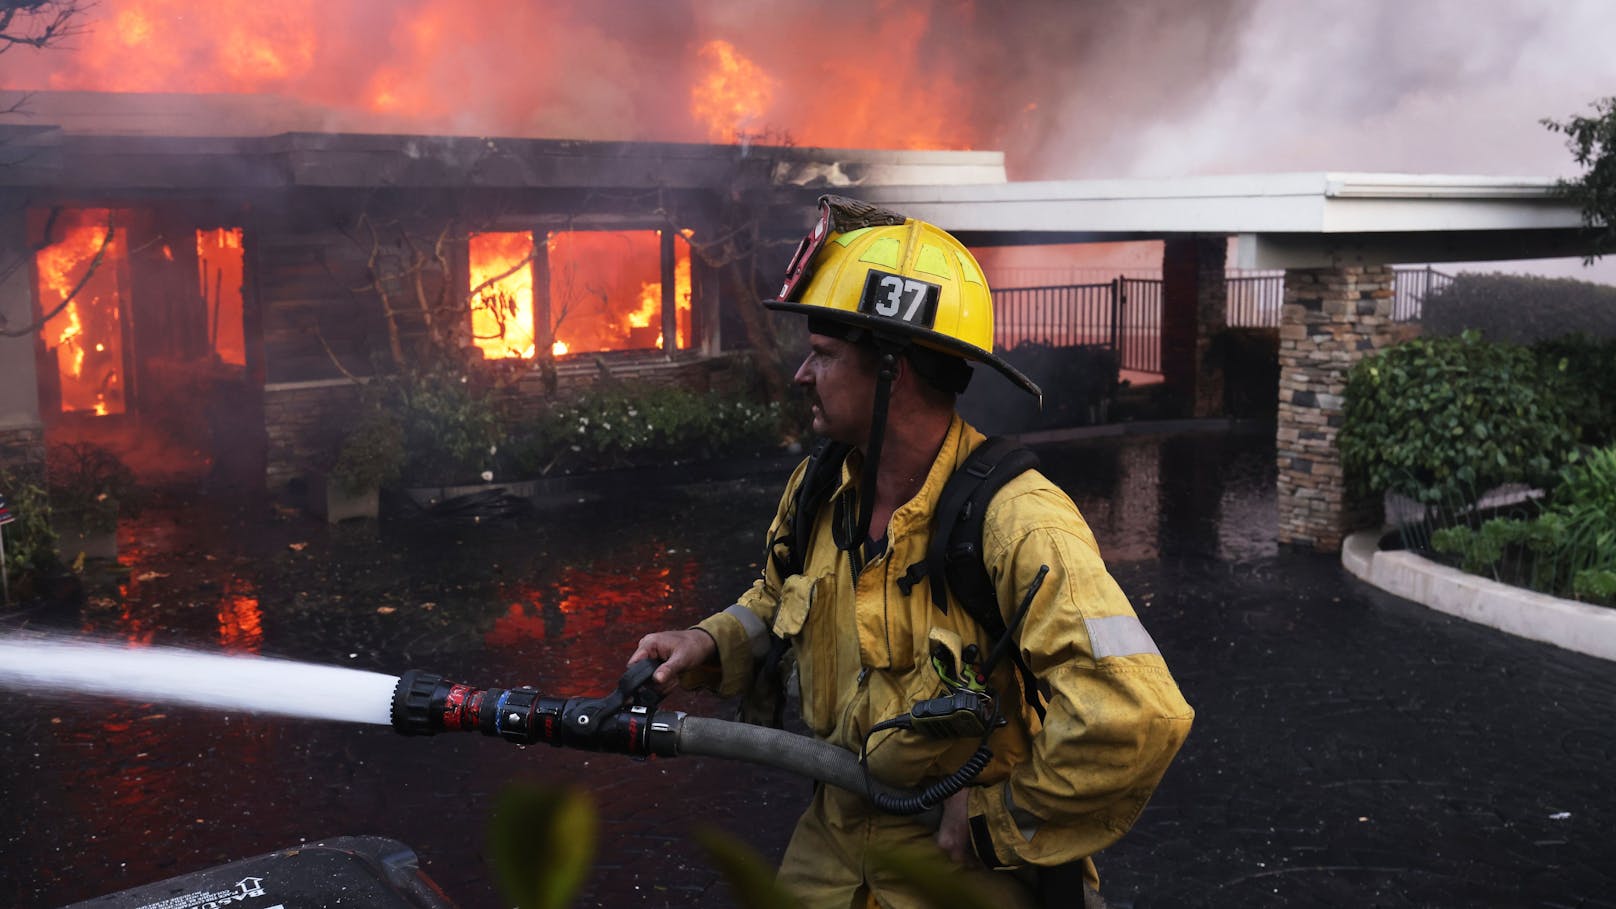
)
(1194, 309)
(1332, 317)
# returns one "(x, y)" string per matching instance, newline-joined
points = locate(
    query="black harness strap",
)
(954, 558)
(818, 482)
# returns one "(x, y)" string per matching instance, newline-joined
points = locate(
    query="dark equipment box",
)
(364, 872)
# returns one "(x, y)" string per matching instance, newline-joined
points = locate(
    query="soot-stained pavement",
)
(1350, 748)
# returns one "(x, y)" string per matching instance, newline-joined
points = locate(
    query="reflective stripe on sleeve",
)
(756, 634)
(1119, 635)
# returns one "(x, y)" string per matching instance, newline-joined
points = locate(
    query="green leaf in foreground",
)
(541, 840)
(940, 883)
(750, 878)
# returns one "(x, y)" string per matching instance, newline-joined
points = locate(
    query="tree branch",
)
(83, 280)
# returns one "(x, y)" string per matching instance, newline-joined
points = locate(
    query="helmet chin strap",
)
(887, 371)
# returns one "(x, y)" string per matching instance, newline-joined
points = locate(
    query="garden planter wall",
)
(72, 541)
(330, 500)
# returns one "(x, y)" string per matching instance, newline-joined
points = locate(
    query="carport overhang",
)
(1302, 220)
(1334, 234)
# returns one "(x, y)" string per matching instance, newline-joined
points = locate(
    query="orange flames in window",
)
(604, 292)
(86, 337)
(220, 268)
(502, 294)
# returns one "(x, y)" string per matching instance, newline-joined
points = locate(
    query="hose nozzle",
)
(427, 704)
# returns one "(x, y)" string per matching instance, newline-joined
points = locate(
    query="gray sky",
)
(1419, 86)
(1413, 86)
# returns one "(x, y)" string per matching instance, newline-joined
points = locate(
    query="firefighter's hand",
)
(678, 651)
(954, 833)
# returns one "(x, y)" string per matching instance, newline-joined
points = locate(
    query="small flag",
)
(6, 517)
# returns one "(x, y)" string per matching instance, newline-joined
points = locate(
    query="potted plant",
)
(89, 488)
(370, 457)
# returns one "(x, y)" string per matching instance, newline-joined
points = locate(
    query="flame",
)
(481, 68)
(89, 345)
(651, 301)
(605, 289)
(176, 45)
(220, 272)
(69, 339)
(502, 313)
(734, 94)
(589, 270)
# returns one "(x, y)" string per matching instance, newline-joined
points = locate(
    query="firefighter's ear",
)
(903, 372)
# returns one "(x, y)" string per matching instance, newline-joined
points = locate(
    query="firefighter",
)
(896, 308)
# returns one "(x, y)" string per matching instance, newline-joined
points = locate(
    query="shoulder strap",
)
(765, 702)
(818, 482)
(955, 554)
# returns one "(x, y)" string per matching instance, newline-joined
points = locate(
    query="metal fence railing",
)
(1412, 286)
(1139, 338)
(1126, 313)
(1255, 299)
(1123, 314)
(1064, 315)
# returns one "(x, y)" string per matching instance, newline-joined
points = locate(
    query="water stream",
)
(54, 667)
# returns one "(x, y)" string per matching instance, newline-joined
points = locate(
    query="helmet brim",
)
(932, 339)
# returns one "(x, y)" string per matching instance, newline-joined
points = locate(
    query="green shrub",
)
(451, 427)
(1455, 416)
(372, 454)
(30, 540)
(1589, 367)
(631, 424)
(1519, 308)
(90, 486)
(1568, 550)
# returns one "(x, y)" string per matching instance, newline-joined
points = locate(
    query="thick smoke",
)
(1067, 88)
(1438, 86)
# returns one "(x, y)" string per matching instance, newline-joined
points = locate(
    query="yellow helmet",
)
(900, 279)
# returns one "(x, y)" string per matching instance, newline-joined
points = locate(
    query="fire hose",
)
(627, 721)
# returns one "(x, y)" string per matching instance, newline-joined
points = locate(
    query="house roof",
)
(135, 144)
(159, 142)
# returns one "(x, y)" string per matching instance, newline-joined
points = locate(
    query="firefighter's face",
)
(839, 379)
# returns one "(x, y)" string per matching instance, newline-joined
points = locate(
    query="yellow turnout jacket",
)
(1056, 791)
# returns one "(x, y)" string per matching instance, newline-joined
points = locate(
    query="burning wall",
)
(82, 273)
(87, 279)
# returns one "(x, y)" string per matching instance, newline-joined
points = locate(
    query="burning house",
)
(207, 269)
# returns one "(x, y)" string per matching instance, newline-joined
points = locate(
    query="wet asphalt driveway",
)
(1351, 749)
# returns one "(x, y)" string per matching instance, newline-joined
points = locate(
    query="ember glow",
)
(241, 619)
(220, 266)
(86, 337)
